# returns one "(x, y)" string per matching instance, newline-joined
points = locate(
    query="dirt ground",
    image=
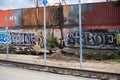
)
(66, 62)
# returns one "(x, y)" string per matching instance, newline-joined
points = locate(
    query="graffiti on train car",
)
(93, 39)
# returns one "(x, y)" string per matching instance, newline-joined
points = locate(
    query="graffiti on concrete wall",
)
(118, 39)
(40, 36)
(17, 37)
(5, 38)
(22, 38)
(93, 39)
(71, 38)
(40, 39)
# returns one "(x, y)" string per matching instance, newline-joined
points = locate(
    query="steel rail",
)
(63, 70)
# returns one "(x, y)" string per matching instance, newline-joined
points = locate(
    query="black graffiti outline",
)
(18, 38)
(98, 39)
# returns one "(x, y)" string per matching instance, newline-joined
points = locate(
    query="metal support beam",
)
(80, 32)
(6, 28)
(44, 2)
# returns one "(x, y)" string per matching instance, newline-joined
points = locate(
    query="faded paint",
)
(14, 18)
(94, 16)
(29, 17)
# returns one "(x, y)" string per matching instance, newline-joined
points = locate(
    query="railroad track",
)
(62, 70)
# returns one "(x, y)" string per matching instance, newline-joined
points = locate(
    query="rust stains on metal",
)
(102, 15)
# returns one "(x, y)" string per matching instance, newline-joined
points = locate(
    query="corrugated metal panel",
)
(70, 13)
(102, 27)
(103, 14)
(14, 18)
(93, 14)
(26, 17)
(3, 14)
(49, 16)
(29, 17)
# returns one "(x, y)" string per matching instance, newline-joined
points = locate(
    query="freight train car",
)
(104, 15)
(25, 17)
(100, 23)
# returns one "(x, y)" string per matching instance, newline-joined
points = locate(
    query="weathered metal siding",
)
(29, 16)
(14, 18)
(94, 15)
(70, 13)
(49, 15)
(3, 14)
(26, 17)
(103, 14)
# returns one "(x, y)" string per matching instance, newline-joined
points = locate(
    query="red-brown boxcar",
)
(104, 15)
